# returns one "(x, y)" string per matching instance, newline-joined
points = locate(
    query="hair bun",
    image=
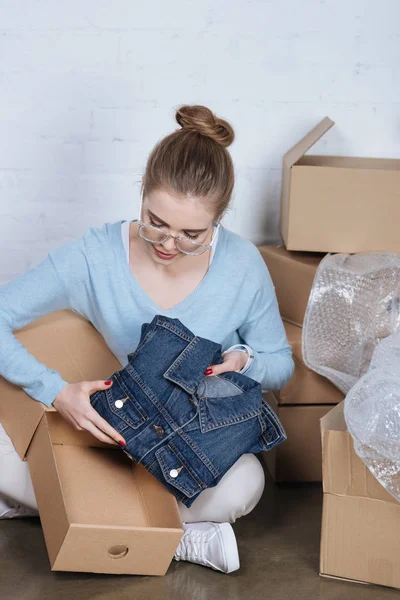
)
(202, 120)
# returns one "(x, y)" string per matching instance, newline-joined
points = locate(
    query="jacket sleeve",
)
(263, 331)
(32, 294)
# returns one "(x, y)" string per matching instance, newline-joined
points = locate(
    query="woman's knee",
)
(235, 495)
(248, 486)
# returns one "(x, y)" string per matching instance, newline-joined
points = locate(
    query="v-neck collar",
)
(209, 276)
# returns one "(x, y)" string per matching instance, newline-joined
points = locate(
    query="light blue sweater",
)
(234, 303)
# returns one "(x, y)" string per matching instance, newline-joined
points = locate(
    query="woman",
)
(177, 260)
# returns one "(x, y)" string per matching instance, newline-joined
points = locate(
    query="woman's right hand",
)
(73, 403)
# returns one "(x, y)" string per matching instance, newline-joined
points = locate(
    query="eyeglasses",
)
(155, 235)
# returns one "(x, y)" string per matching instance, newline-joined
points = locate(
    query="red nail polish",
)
(122, 443)
(208, 371)
(108, 382)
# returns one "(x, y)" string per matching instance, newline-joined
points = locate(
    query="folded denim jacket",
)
(187, 429)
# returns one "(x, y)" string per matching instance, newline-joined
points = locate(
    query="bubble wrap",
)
(354, 303)
(372, 415)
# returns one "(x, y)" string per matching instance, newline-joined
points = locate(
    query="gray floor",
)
(278, 546)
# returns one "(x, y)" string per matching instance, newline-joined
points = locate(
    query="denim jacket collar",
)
(199, 353)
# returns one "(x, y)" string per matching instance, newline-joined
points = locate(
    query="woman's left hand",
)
(233, 361)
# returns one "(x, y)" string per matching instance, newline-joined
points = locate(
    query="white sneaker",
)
(11, 510)
(209, 544)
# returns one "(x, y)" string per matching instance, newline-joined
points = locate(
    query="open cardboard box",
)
(339, 203)
(100, 511)
(360, 520)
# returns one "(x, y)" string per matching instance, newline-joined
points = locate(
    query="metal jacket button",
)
(159, 430)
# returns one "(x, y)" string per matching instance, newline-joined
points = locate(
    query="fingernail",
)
(208, 371)
(108, 382)
(122, 443)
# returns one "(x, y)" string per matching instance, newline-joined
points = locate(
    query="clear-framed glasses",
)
(156, 235)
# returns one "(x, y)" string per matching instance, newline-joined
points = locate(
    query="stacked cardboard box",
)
(308, 396)
(328, 204)
(360, 519)
(337, 205)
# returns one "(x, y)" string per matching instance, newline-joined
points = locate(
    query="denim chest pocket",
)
(120, 401)
(223, 402)
(178, 472)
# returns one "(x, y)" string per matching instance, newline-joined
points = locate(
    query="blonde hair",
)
(193, 160)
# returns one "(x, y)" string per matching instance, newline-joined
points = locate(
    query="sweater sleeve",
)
(264, 332)
(32, 294)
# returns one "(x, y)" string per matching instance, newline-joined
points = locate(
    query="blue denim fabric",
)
(187, 429)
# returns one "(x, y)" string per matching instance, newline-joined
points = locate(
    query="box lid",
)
(66, 342)
(343, 471)
(295, 153)
(290, 158)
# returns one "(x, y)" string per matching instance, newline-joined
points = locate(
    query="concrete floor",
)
(278, 547)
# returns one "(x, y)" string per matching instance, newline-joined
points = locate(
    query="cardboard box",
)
(360, 521)
(306, 386)
(100, 511)
(338, 203)
(299, 457)
(292, 274)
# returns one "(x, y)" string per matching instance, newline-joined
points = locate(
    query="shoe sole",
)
(229, 545)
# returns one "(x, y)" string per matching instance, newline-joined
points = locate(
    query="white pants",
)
(235, 495)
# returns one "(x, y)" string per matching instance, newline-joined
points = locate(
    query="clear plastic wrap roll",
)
(372, 415)
(353, 305)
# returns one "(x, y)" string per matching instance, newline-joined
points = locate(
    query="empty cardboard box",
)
(100, 511)
(306, 386)
(299, 457)
(292, 274)
(338, 203)
(360, 519)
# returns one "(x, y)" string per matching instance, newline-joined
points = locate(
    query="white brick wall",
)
(88, 87)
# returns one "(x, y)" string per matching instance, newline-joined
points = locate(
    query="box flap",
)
(45, 480)
(334, 419)
(293, 155)
(66, 342)
(289, 159)
(343, 471)
(20, 415)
